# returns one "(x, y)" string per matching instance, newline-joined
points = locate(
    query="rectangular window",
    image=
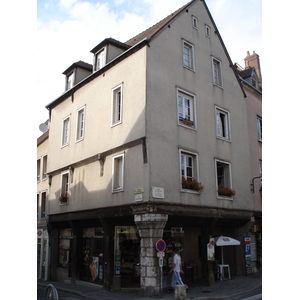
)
(259, 128)
(118, 173)
(217, 72)
(80, 124)
(223, 176)
(70, 81)
(43, 204)
(116, 113)
(38, 205)
(188, 55)
(65, 183)
(65, 131)
(39, 170)
(44, 172)
(188, 166)
(223, 123)
(195, 22)
(186, 109)
(100, 59)
(207, 30)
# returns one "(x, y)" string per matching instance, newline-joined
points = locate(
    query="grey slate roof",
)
(80, 64)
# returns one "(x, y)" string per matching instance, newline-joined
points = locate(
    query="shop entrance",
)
(127, 255)
(91, 267)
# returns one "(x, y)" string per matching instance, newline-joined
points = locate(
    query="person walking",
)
(177, 270)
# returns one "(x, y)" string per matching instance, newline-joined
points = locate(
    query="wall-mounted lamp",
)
(252, 184)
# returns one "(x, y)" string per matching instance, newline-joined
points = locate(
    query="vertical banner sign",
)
(248, 254)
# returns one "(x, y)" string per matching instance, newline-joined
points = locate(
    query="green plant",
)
(192, 184)
(225, 191)
(63, 197)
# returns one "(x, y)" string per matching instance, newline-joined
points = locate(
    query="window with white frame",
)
(222, 123)
(41, 205)
(100, 59)
(207, 30)
(65, 131)
(70, 81)
(217, 72)
(38, 170)
(117, 101)
(188, 166)
(259, 128)
(186, 103)
(223, 175)
(188, 55)
(44, 167)
(195, 22)
(65, 183)
(118, 173)
(80, 124)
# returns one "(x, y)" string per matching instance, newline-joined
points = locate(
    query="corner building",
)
(154, 114)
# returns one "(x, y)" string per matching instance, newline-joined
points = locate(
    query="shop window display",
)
(127, 255)
(92, 255)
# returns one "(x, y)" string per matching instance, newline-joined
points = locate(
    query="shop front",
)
(42, 254)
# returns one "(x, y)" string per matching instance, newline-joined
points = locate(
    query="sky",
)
(68, 29)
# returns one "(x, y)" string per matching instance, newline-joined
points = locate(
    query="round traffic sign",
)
(160, 245)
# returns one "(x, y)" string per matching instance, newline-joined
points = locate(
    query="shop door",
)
(92, 260)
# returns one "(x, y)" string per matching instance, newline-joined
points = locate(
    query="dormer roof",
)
(80, 64)
(110, 41)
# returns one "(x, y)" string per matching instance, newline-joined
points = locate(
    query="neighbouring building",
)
(252, 83)
(42, 194)
(132, 145)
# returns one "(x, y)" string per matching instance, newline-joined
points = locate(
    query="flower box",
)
(192, 184)
(225, 191)
(63, 198)
(188, 122)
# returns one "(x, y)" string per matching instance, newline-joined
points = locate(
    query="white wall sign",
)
(139, 197)
(158, 192)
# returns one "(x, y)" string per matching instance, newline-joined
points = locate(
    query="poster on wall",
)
(94, 268)
(211, 249)
(248, 254)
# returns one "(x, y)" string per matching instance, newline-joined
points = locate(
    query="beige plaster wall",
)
(166, 136)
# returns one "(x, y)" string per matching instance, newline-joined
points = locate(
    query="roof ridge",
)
(162, 22)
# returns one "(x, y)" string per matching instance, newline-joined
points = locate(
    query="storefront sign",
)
(158, 192)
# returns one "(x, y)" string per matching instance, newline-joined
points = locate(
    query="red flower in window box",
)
(192, 184)
(225, 191)
(63, 197)
(188, 122)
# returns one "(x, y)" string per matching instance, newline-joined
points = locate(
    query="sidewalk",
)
(226, 289)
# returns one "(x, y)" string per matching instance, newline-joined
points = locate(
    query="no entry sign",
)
(160, 245)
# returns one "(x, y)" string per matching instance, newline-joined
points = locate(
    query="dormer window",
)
(70, 81)
(100, 59)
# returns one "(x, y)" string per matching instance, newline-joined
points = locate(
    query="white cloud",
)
(75, 27)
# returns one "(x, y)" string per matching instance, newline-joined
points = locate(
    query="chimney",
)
(253, 61)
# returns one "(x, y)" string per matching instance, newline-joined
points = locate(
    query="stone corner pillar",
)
(151, 227)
